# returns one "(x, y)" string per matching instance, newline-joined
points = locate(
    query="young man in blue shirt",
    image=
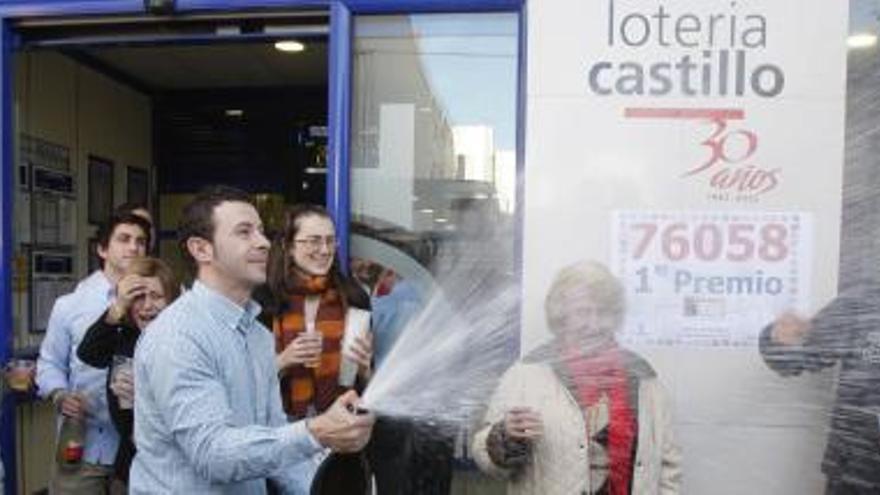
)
(77, 390)
(208, 414)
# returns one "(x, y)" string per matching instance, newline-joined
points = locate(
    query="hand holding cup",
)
(360, 351)
(304, 350)
(523, 423)
(122, 381)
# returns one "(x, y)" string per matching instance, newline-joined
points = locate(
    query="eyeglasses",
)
(315, 243)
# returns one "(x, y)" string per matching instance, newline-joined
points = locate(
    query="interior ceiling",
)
(238, 65)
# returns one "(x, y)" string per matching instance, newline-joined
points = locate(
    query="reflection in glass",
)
(433, 158)
(433, 195)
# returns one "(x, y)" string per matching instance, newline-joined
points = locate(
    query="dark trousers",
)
(410, 458)
(837, 486)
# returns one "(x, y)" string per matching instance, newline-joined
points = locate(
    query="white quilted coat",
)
(559, 464)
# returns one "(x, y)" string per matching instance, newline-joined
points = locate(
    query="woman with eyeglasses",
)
(313, 299)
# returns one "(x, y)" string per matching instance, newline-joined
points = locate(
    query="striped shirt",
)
(208, 416)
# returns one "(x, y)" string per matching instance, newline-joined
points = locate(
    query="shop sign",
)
(709, 277)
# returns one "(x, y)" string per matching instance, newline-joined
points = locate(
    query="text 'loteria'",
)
(709, 54)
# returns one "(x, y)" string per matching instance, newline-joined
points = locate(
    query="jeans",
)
(89, 479)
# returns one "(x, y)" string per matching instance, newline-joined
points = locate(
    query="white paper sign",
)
(709, 278)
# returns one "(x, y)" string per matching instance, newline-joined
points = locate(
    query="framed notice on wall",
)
(137, 186)
(710, 278)
(100, 189)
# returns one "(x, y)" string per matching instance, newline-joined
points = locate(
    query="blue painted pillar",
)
(338, 125)
(7, 188)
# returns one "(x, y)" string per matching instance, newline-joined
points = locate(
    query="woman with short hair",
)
(581, 414)
(146, 288)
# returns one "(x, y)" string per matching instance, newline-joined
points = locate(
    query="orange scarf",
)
(318, 386)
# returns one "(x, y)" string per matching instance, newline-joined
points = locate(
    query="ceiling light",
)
(234, 112)
(861, 40)
(290, 46)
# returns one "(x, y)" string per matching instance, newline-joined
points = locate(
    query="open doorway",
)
(151, 111)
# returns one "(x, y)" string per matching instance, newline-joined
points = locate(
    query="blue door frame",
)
(7, 185)
(339, 111)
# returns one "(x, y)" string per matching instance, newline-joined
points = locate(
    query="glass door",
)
(433, 150)
(433, 204)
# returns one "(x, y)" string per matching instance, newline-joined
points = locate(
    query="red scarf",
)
(303, 386)
(605, 374)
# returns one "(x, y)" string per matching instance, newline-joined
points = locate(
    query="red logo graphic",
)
(728, 166)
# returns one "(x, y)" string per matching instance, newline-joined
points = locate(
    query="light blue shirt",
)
(59, 368)
(208, 415)
(391, 313)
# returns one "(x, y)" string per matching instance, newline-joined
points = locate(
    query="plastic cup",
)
(20, 374)
(314, 334)
(123, 366)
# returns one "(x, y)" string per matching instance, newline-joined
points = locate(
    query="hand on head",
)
(129, 288)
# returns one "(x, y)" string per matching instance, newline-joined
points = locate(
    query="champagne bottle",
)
(71, 441)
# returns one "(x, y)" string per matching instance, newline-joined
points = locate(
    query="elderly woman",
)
(147, 287)
(581, 414)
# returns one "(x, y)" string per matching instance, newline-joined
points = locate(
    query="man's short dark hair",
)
(105, 231)
(197, 219)
(130, 207)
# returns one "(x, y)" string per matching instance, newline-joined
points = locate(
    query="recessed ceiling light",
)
(234, 112)
(861, 40)
(290, 46)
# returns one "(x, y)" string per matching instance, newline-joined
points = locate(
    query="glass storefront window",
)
(434, 135)
(433, 172)
(433, 196)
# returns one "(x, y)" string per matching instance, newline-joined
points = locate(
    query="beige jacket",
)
(560, 459)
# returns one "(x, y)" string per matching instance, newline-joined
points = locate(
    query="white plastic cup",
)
(312, 331)
(357, 324)
(123, 365)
